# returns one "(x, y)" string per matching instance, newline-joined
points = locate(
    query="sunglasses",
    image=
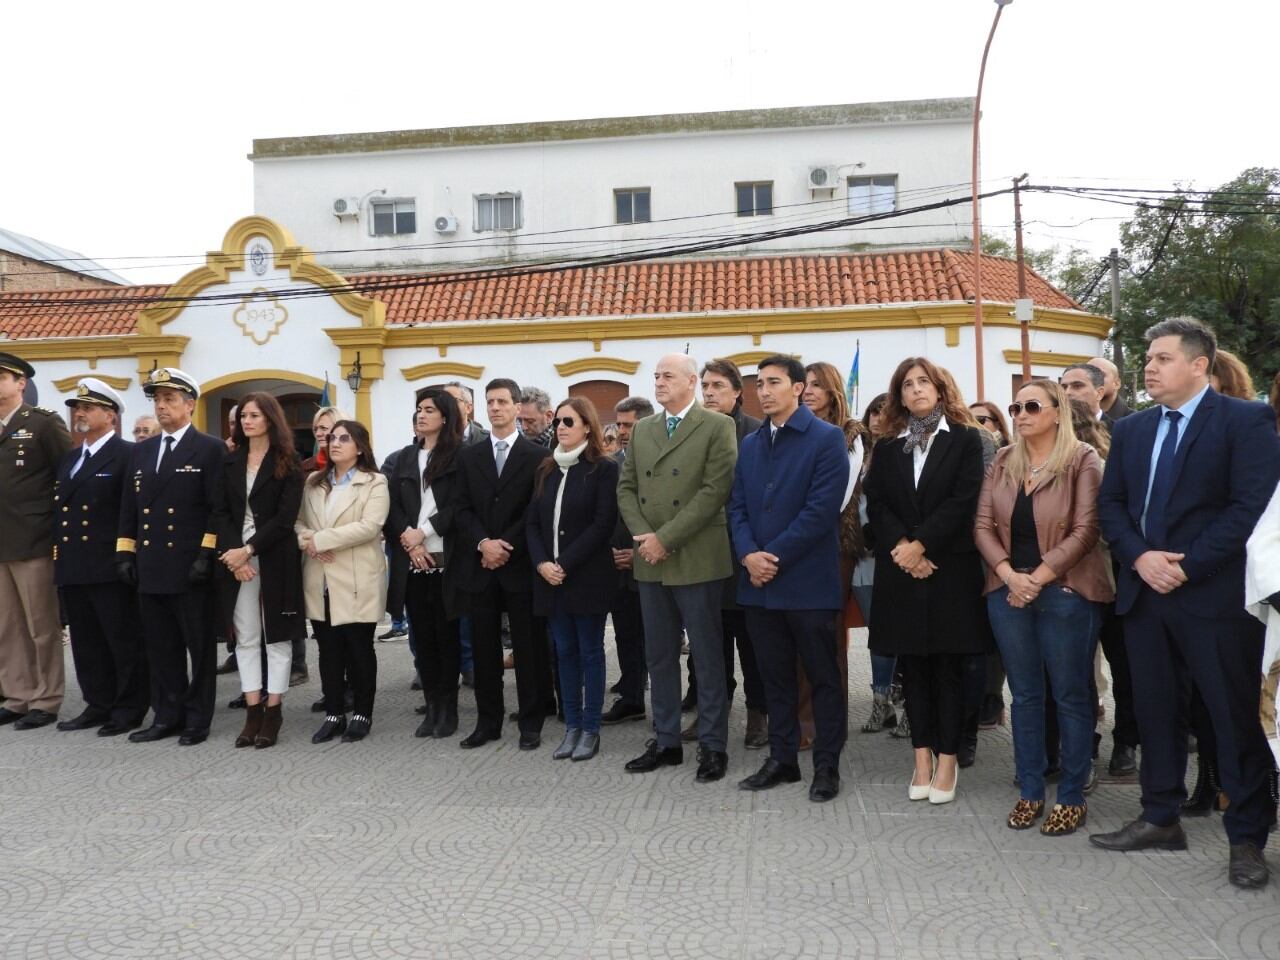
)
(983, 419)
(1032, 407)
(567, 421)
(339, 438)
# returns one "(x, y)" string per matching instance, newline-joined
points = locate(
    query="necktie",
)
(80, 463)
(672, 422)
(164, 453)
(501, 456)
(1162, 485)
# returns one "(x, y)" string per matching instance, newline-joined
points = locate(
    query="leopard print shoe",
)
(1064, 818)
(1025, 813)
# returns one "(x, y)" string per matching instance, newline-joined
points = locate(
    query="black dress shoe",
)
(477, 738)
(690, 700)
(1124, 762)
(228, 665)
(357, 729)
(1248, 868)
(967, 753)
(654, 757)
(88, 719)
(825, 786)
(318, 706)
(1204, 795)
(712, 765)
(426, 728)
(8, 716)
(1140, 835)
(154, 732)
(239, 703)
(35, 718)
(331, 727)
(530, 741)
(113, 729)
(190, 737)
(770, 775)
(621, 712)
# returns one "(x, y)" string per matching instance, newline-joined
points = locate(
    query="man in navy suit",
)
(166, 549)
(784, 519)
(1184, 487)
(101, 611)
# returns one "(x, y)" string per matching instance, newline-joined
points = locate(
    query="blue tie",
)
(1162, 486)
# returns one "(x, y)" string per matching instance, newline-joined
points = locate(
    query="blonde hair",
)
(336, 412)
(1018, 463)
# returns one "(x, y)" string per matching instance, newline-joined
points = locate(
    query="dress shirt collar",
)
(682, 414)
(509, 438)
(177, 434)
(1188, 409)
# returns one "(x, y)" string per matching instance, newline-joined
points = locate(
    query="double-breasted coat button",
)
(64, 522)
(675, 473)
(65, 509)
(84, 523)
(84, 506)
(84, 538)
(648, 473)
(146, 509)
(642, 499)
(675, 503)
(171, 509)
(146, 543)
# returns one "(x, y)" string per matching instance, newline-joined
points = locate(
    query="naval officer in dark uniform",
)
(166, 549)
(101, 611)
(32, 442)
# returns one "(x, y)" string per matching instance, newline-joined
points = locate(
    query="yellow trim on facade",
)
(448, 368)
(750, 358)
(67, 384)
(1044, 358)
(164, 350)
(200, 418)
(571, 368)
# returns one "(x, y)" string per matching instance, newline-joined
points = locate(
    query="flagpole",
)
(857, 387)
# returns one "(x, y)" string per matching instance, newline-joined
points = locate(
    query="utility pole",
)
(1022, 309)
(1117, 347)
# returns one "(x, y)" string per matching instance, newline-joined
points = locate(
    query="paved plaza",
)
(398, 847)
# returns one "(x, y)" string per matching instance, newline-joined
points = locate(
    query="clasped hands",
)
(237, 561)
(910, 558)
(1161, 571)
(309, 548)
(494, 553)
(551, 572)
(414, 542)
(650, 548)
(761, 567)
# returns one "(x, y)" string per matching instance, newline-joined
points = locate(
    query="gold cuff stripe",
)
(209, 542)
(124, 545)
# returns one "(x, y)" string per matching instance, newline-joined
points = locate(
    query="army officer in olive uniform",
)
(101, 611)
(166, 549)
(33, 441)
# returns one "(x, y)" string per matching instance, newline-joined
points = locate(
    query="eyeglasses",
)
(567, 421)
(1032, 407)
(983, 419)
(339, 438)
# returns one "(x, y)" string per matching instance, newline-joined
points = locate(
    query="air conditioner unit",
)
(822, 178)
(346, 207)
(446, 224)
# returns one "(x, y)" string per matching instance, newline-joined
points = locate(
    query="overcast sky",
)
(127, 124)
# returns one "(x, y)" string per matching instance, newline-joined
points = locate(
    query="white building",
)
(540, 191)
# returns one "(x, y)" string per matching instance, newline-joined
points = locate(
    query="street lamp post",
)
(977, 221)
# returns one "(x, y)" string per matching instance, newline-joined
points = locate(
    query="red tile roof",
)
(800, 282)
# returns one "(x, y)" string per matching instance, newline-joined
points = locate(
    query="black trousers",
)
(177, 627)
(737, 633)
(437, 648)
(628, 634)
(346, 654)
(529, 648)
(779, 638)
(1167, 647)
(1125, 732)
(111, 664)
(934, 687)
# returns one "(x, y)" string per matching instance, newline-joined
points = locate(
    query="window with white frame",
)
(631, 206)
(754, 199)
(392, 218)
(873, 195)
(498, 211)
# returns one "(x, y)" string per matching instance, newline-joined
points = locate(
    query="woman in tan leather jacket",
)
(1037, 529)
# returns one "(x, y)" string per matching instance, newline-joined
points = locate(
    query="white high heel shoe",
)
(937, 796)
(915, 792)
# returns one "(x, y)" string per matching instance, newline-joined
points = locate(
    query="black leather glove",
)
(202, 569)
(127, 571)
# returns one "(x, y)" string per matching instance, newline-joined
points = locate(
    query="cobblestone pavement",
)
(398, 847)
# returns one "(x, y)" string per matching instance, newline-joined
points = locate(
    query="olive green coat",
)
(677, 487)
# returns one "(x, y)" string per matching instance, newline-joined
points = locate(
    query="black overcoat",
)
(946, 612)
(405, 490)
(588, 515)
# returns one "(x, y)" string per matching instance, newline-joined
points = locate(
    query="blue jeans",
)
(881, 666)
(579, 643)
(1054, 634)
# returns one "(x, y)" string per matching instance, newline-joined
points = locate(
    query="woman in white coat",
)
(344, 574)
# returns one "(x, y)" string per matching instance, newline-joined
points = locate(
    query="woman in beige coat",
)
(344, 574)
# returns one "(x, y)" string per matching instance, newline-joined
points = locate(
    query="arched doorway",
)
(605, 394)
(298, 395)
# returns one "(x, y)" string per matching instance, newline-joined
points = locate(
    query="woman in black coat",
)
(419, 530)
(260, 586)
(571, 519)
(927, 607)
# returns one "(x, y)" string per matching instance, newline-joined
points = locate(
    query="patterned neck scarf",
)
(919, 429)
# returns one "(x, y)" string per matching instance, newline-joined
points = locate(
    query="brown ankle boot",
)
(271, 722)
(252, 724)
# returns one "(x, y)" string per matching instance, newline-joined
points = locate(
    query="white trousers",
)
(247, 621)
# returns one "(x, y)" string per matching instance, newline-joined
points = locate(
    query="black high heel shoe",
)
(1204, 795)
(331, 727)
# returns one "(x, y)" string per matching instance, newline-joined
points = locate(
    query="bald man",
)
(1113, 404)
